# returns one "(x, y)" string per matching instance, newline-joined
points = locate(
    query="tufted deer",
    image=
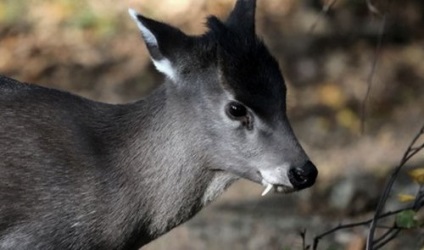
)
(79, 174)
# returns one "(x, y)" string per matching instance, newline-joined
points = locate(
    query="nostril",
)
(299, 175)
(304, 176)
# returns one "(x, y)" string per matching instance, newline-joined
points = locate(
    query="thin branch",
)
(387, 189)
(419, 200)
(351, 225)
(384, 227)
(303, 235)
(372, 8)
(372, 73)
(324, 11)
(414, 150)
(417, 148)
(388, 239)
(393, 231)
(387, 233)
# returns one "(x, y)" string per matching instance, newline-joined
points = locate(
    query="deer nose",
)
(303, 177)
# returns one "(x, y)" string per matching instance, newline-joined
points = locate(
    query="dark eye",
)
(236, 110)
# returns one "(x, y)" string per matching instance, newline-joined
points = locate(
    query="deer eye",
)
(236, 110)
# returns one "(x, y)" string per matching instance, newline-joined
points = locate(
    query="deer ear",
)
(243, 16)
(162, 41)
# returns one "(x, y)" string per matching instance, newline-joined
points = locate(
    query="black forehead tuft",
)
(248, 69)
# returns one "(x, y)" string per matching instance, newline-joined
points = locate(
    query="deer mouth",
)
(278, 188)
(257, 177)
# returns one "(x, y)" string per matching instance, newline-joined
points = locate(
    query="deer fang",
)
(267, 189)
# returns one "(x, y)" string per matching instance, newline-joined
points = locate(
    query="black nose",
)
(303, 177)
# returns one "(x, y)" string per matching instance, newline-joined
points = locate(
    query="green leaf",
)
(406, 219)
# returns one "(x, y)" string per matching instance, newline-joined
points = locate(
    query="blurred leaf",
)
(405, 197)
(11, 11)
(85, 19)
(417, 175)
(331, 95)
(406, 219)
(348, 119)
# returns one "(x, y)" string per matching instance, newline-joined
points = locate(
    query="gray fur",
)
(79, 174)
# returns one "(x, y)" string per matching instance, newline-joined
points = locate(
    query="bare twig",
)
(351, 225)
(419, 201)
(388, 233)
(372, 8)
(372, 73)
(324, 11)
(390, 236)
(384, 227)
(412, 152)
(302, 234)
(387, 189)
(394, 230)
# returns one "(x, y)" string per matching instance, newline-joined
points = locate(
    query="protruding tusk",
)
(267, 189)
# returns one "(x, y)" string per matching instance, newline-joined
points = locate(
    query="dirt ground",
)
(92, 48)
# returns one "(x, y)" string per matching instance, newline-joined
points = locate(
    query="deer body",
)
(79, 174)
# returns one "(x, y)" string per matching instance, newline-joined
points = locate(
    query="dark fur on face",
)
(248, 68)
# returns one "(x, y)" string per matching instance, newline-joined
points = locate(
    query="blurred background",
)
(93, 48)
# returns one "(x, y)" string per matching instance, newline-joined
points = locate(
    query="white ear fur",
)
(147, 34)
(163, 65)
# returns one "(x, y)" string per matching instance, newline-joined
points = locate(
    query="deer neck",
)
(169, 179)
